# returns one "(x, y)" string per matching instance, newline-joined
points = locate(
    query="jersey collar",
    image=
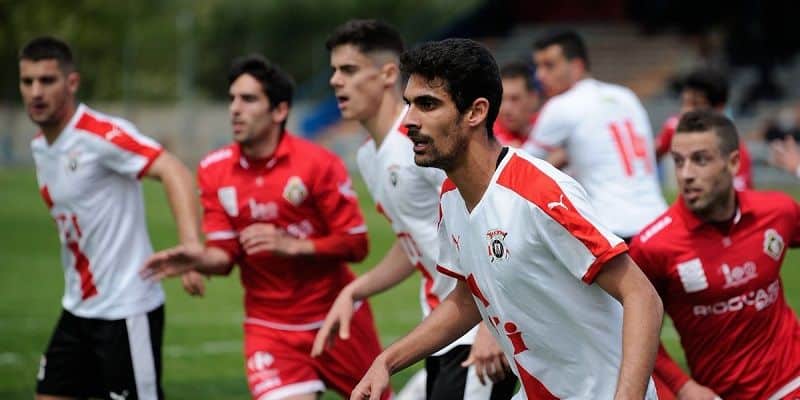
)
(283, 150)
(69, 127)
(744, 207)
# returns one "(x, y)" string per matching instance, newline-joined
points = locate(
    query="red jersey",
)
(743, 179)
(507, 137)
(723, 291)
(303, 189)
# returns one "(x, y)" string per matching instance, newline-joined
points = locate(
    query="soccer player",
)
(107, 341)
(574, 315)
(604, 131)
(366, 80)
(715, 258)
(284, 210)
(705, 89)
(520, 106)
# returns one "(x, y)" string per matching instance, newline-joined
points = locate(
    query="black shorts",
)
(448, 380)
(107, 359)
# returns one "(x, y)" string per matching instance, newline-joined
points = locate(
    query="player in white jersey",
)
(366, 80)
(605, 131)
(107, 341)
(574, 315)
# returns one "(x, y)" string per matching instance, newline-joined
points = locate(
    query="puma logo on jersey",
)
(456, 241)
(553, 204)
(114, 132)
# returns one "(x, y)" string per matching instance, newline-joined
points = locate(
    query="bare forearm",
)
(391, 270)
(214, 261)
(456, 315)
(179, 187)
(640, 338)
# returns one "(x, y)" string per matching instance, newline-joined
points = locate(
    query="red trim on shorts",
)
(534, 389)
(528, 181)
(450, 273)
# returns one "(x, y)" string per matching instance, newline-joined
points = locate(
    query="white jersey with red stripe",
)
(529, 251)
(89, 179)
(408, 196)
(609, 143)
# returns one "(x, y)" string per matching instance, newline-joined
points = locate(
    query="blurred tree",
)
(163, 50)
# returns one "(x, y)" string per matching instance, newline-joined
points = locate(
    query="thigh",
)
(277, 365)
(345, 363)
(453, 381)
(129, 351)
(67, 364)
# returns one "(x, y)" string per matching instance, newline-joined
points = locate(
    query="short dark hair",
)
(520, 69)
(712, 83)
(466, 68)
(48, 48)
(277, 84)
(708, 120)
(367, 35)
(571, 43)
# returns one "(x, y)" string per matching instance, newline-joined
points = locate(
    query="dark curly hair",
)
(277, 84)
(466, 68)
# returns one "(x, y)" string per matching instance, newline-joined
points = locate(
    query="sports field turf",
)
(202, 345)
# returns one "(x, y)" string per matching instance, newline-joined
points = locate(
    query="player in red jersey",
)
(715, 258)
(705, 89)
(522, 100)
(283, 209)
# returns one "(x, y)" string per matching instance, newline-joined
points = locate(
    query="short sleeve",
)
(216, 224)
(551, 131)
(125, 150)
(796, 233)
(569, 228)
(337, 200)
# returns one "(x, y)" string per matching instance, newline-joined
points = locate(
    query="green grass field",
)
(202, 346)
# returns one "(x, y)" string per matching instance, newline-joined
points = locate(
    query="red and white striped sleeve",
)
(562, 216)
(121, 147)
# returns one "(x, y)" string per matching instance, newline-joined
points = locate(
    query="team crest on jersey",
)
(295, 191)
(496, 245)
(773, 244)
(394, 174)
(227, 197)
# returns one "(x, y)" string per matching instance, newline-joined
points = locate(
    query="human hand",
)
(487, 357)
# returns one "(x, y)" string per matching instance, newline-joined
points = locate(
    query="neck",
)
(473, 171)
(52, 131)
(379, 124)
(264, 147)
(724, 211)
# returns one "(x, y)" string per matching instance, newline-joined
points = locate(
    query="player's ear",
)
(733, 162)
(391, 74)
(477, 113)
(73, 82)
(280, 112)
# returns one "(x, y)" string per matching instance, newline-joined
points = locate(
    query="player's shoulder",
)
(38, 143)
(217, 159)
(522, 173)
(661, 231)
(767, 201)
(100, 125)
(311, 151)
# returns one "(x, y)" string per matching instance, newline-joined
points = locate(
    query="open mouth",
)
(421, 142)
(342, 101)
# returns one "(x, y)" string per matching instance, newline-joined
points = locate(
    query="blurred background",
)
(163, 63)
